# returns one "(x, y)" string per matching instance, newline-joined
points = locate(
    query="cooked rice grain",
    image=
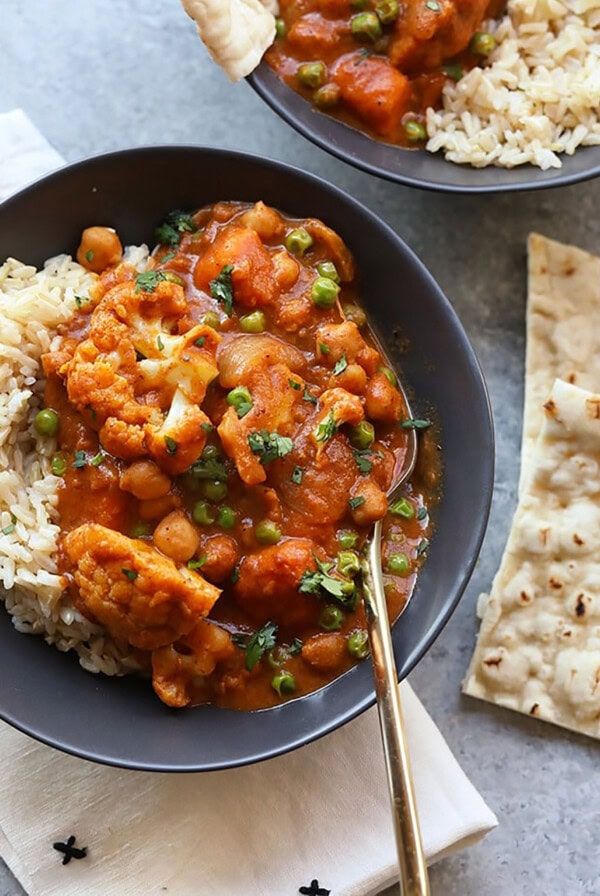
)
(32, 305)
(538, 96)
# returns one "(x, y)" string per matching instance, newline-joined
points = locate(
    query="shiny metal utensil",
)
(414, 880)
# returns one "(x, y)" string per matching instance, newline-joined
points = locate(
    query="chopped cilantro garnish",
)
(171, 445)
(197, 564)
(130, 573)
(356, 502)
(7, 530)
(321, 582)
(200, 341)
(209, 466)
(340, 366)
(89, 256)
(295, 647)
(221, 288)
(168, 257)
(257, 644)
(148, 281)
(415, 423)
(206, 427)
(308, 397)
(422, 513)
(235, 575)
(175, 223)
(362, 461)
(159, 344)
(422, 546)
(326, 429)
(296, 476)
(79, 459)
(295, 385)
(81, 300)
(323, 348)
(97, 459)
(269, 445)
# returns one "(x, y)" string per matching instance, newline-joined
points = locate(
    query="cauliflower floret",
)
(137, 594)
(336, 407)
(131, 371)
(178, 668)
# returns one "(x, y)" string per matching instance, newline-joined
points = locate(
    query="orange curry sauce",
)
(380, 63)
(227, 434)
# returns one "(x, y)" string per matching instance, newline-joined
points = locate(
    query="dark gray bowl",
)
(415, 168)
(120, 721)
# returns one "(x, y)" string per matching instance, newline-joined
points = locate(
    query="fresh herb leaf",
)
(159, 344)
(130, 573)
(295, 385)
(269, 445)
(80, 301)
(93, 413)
(356, 502)
(206, 427)
(308, 397)
(89, 256)
(211, 467)
(172, 277)
(422, 546)
(363, 54)
(221, 288)
(79, 460)
(340, 366)
(200, 341)
(323, 348)
(171, 445)
(296, 476)
(97, 459)
(257, 644)
(326, 429)
(168, 257)
(197, 564)
(170, 229)
(415, 423)
(295, 647)
(235, 575)
(148, 281)
(320, 581)
(243, 407)
(362, 460)
(422, 513)
(7, 530)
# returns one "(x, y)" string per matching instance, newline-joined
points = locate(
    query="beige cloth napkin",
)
(320, 813)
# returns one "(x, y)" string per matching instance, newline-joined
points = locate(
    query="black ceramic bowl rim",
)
(413, 168)
(45, 693)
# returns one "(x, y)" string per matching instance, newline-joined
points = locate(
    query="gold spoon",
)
(414, 879)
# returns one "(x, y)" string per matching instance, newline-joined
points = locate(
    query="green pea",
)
(362, 435)
(58, 464)
(46, 422)
(389, 375)
(324, 292)
(203, 513)
(358, 644)
(312, 74)
(404, 508)
(366, 26)
(253, 323)
(331, 618)
(213, 490)
(453, 70)
(327, 96)
(140, 529)
(267, 532)
(226, 517)
(240, 399)
(211, 319)
(347, 539)
(283, 682)
(298, 241)
(348, 563)
(398, 564)
(482, 43)
(329, 270)
(387, 11)
(355, 314)
(415, 130)
(280, 29)
(278, 656)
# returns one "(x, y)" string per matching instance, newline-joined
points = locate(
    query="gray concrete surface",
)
(97, 75)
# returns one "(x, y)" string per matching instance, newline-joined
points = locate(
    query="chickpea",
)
(264, 220)
(222, 554)
(145, 480)
(100, 248)
(353, 379)
(177, 537)
(374, 506)
(382, 400)
(287, 269)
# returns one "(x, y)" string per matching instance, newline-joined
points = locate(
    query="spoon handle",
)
(414, 880)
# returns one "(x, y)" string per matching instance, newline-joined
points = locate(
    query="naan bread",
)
(538, 650)
(563, 329)
(236, 32)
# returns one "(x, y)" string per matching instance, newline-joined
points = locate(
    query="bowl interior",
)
(412, 167)
(120, 721)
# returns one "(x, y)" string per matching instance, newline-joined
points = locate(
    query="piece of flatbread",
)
(236, 32)
(563, 329)
(538, 650)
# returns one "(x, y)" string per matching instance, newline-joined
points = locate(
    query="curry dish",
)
(226, 433)
(379, 64)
